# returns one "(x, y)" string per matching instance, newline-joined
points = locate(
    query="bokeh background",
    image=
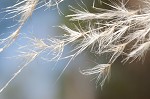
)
(38, 80)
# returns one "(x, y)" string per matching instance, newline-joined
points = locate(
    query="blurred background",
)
(38, 79)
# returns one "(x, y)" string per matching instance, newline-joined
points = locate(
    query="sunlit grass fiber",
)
(116, 31)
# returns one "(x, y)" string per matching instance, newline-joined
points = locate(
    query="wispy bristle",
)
(111, 31)
(6, 42)
(29, 57)
(107, 31)
(102, 70)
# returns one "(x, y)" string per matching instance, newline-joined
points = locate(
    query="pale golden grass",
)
(107, 31)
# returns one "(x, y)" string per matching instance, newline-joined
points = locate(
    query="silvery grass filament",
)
(111, 31)
(24, 9)
(106, 31)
